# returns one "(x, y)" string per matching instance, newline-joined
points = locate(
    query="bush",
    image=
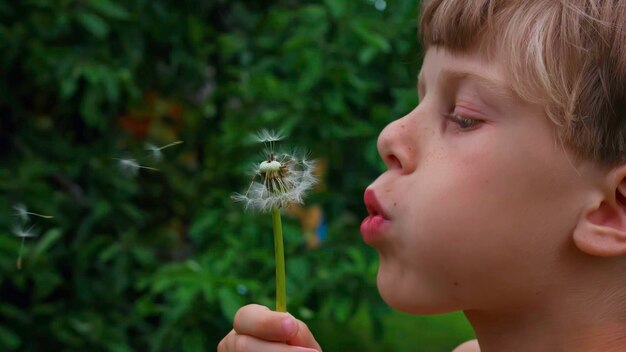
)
(160, 261)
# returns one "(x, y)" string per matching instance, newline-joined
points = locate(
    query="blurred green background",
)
(160, 261)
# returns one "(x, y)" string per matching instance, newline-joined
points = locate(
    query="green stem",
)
(279, 253)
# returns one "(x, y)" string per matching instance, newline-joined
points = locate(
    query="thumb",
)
(302, 336)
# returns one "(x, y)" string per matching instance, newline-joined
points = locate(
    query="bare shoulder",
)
(469, 346)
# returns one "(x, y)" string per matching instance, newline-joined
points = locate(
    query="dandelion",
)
(155, 151)
(285, 179)
(20, 232)
(22, 212)
(269, 136)
(130, 167)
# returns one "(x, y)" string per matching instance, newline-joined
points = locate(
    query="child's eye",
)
(463, 123)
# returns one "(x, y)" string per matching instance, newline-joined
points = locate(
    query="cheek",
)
(480, 194)
(458, 192)
(485, 199)
(472, 210)
(443, 214)
(498, 184)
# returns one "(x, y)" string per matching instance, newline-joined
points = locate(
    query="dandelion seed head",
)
(21, 211)
(282, 182)
(128, 166)
(155, 151)
(265, 136)
(20, 232)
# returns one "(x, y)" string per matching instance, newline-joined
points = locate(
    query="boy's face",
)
(481, 196)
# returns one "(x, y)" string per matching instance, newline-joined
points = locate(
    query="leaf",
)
(343, 306)
(337, 7)
(204, 222)
(46, 242)
(146, 307)
(109, 252)
(229, 302)
(8, 339)
(143, 255)
(357, 258)
(133, 212)
(184, 296)
(12, 313)
(94, 24)
(100, 210)
(45, 283)
(194, 342)
(230, 44)
(313, 14)
(298, 268)
(367, 54)
(374, 39)
(312, 72)
(69, 84)
(89, 109)
(111, 86)
(109, 9)
(334, 102)
(208, 291)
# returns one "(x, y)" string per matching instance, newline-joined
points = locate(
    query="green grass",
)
(401, 332)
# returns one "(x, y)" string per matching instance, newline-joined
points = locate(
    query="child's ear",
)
(601, 229)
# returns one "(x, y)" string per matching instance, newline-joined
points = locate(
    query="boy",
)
(505, 194)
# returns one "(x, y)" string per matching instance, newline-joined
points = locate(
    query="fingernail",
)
(289, 326)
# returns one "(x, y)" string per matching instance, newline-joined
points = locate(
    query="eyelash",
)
(464, 123)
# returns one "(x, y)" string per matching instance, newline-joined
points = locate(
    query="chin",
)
(412, 301)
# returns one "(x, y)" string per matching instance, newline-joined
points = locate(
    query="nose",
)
(397, 144)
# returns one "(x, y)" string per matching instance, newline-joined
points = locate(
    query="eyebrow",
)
(495, 88)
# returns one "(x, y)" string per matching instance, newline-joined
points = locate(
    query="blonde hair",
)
(568, 55)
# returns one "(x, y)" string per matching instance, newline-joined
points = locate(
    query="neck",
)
(545, 333)
(581, 329)
(583, 309)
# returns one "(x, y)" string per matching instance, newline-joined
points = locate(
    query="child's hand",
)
(258, 329)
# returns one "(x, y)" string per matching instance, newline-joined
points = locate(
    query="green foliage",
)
(161, 261)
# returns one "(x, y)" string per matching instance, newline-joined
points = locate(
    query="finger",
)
(468, 346)
(223, 345)
(303, 337)
(245, 343)
(259, 321)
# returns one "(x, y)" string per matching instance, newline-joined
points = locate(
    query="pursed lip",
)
(373, 204)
